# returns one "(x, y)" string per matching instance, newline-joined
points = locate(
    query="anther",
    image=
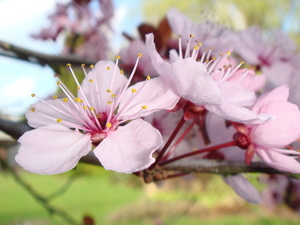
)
(56, 75)
(92, 109)
(82, 65)
(109, 102)
(148, 77)
(90, 80)
(108, 90)
(92, 66)
(118, 57)
(108, 125)
(121, 71)
(32, 95)
(113, 95)
(191, 35)
(108, 68)
(69, 65)
(32, 109)
(55, 97)
(139, 55)
(144, 107)
(65, 99)
(133, 90)
(59, 120)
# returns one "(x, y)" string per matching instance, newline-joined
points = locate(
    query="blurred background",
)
(30, 43)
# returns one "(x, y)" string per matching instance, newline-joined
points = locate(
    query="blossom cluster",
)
(209, 87)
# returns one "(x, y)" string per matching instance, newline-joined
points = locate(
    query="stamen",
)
(59, 120)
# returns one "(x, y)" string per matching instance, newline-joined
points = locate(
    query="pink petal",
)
(233, 112)
(52, 149)
(161, 66)
(283, 130)
(129, 148)
(243, 188)
(280, 93)
(53, 109)
(193, 82)
(156, 95)
(278, 161)
(251, 81)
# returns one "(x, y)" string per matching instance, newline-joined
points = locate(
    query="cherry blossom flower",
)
(206, 83)
(106, 114)
(267, 139)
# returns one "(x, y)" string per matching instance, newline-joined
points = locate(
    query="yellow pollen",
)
(139, 55)
(144, 107)
(90, 80)
(98, 115)
(82, 65)
(199, 43)
(121, 71)
(108, 90)
(65, 99)
(148, 77)
(207, 61)
(213, 58)
(85, 107)
(32, 95)
(179, 36)
(113, 95)
(92, 109)
(58, 83)
(221, 54)
(109, 102)
(32, 109)
(191, 35)
(78, 87)
(108, 68)
(133, 90)
(118, 57)
(108, 125)
(55, 97)
(92, 66)
(242, 62)
(69, 65)
(59, 120)
(211, 48)
(78, 100)
(196, 47)
(228, 53)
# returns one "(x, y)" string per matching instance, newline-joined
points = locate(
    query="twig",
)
(40, 58)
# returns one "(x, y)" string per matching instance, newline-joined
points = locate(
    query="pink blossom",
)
(206, 82)
(106, 114)
(268, 138)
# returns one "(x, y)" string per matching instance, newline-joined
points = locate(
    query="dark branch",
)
(14, 129)
(40, 58)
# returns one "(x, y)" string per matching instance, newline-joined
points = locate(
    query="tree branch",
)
(17, 52)
(16, 129)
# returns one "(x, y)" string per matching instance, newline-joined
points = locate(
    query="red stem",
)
(174, 146)
(213, 148)
(171, 138)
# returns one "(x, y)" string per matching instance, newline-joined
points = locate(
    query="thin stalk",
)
(171, 138)
(213, 148)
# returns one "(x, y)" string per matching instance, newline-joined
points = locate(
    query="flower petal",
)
(283, 130)
(193, 82)
(243, 188)
(129, 148)
(278, 161)
(52, 149)
(233, 112)
(156, 95)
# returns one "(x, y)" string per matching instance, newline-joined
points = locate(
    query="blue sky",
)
(19, 79)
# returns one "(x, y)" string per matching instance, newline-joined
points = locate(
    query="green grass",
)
(117, 199)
